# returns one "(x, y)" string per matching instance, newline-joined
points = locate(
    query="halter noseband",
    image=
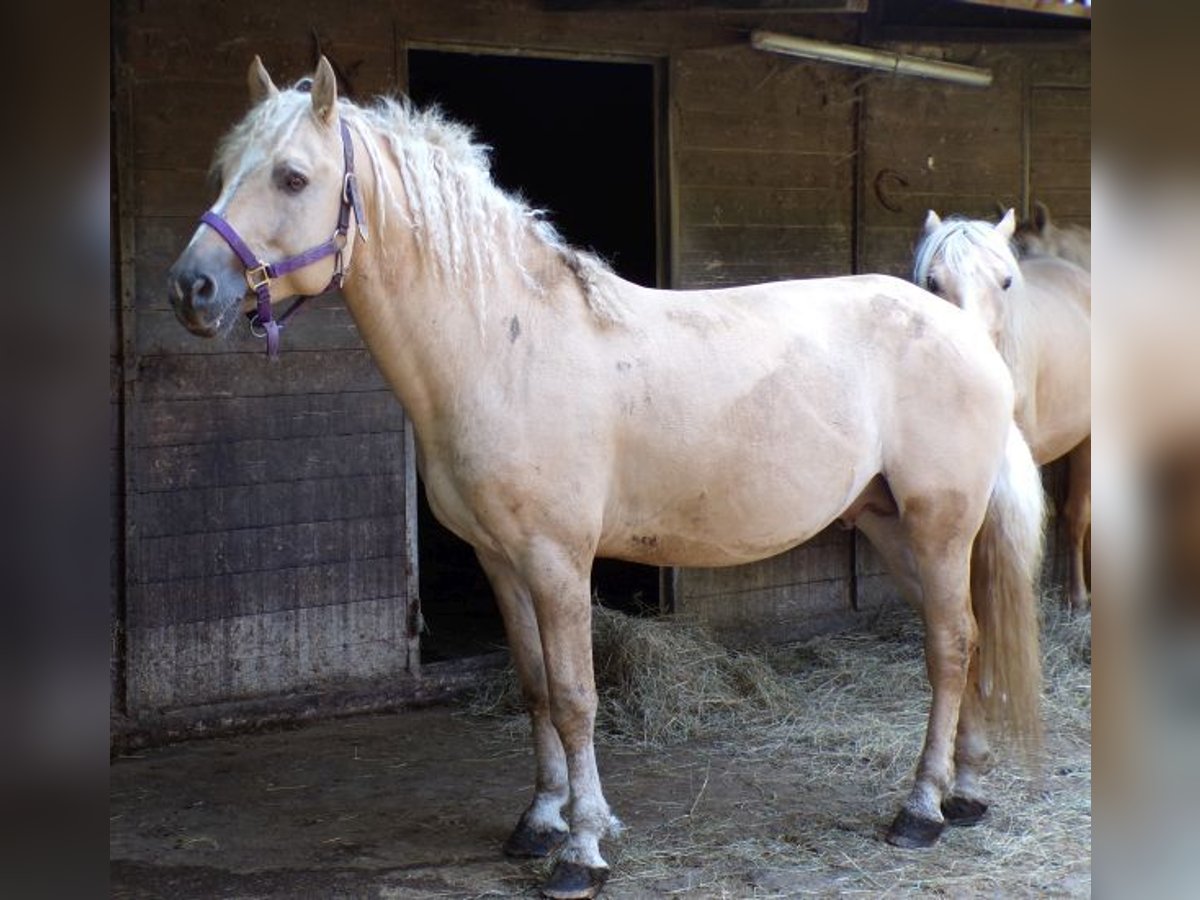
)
(259, 274)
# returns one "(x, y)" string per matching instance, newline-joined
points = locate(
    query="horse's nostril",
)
(203, 289)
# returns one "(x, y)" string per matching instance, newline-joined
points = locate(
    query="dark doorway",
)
(576, 139)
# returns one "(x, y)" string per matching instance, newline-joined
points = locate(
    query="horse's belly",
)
(738, 521)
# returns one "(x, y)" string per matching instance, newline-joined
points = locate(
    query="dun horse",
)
(562, 413)
(1040, 236)
(1038, 312)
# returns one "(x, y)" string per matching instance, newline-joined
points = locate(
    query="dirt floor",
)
(417, 804)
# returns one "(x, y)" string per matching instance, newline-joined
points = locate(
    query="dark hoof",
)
(963, 811)
(913, 833)
(529, 843)
(570, 881)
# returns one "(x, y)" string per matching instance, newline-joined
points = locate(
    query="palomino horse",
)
(562, 413)
(1038, 312)
(1039, 236)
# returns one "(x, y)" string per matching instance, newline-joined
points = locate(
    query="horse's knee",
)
(574, 715)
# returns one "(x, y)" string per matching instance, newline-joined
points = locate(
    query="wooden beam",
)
(1049, 7)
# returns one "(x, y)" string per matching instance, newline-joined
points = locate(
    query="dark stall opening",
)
(577, 139)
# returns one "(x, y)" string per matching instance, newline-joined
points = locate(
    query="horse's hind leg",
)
(541, 829)
(1078, 514)
(941, 548)
(972, 756)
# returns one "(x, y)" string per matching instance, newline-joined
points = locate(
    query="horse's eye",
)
(294, 182)
(1007, 283)
(931, 284)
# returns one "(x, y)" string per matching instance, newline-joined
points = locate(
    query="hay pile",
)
(662, 682)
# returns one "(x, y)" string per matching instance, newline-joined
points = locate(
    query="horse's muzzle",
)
(203, 301)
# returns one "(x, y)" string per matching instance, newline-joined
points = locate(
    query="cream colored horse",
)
(1038, 313)
(1041, 236)
(562, 413)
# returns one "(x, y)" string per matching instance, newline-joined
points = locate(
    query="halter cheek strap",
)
(260, 274)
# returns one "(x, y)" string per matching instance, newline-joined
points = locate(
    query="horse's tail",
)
(1005, 568)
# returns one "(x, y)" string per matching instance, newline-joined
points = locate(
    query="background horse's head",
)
(1041, 236)
(971, 264)
(281, 172)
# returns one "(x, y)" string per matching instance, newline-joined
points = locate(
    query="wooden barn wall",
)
(264, 504)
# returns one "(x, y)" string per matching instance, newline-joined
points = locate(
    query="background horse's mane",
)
(463, 224)
(974, 249)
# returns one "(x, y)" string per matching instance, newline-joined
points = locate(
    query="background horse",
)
(562, 413)
(1038, 313)
(1039, 236)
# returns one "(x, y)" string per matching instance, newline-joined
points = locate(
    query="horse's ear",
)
(1008, 225)
(324, 92)
(1041, 215)
(932, 221)
(260, 83)
(1001, 209)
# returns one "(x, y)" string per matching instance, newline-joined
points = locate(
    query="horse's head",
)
(282, 219)
(1035, 236)
(970, 264)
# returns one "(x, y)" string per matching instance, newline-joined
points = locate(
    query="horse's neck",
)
(430, 338)
(1014, 340)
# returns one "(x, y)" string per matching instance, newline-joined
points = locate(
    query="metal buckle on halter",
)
(339, 267)
(258, 277)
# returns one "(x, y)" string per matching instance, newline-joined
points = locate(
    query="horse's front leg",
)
(559, 584)
(541, 829)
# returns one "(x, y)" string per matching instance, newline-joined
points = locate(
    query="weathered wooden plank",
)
(1061, 98)
(360, 45)
(263, 460)
(1054, 120)
(253, 375)
(206, 555)
(288, 501)
(776, 615)
(175, 602)
(1063, 147)
(758, 206)
(201, 421)
(320, 325)
(746, 131)
(822, 558)
(889, 250)
(708, 271)
(260, 655)
(740, 78)
(746, 242)
(931, 110)
(179, 123)
(1059, 66)
(1061, 174)
(762, 169)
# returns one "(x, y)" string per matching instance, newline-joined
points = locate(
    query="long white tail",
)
(1005, 569)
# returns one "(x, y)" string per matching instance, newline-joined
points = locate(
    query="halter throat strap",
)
(260, 274)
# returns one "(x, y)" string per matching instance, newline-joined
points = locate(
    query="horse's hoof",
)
(532, 843)
(963, 811)
(572, 881)
(912, 832)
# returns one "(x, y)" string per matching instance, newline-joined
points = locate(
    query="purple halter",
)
(259, 274)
